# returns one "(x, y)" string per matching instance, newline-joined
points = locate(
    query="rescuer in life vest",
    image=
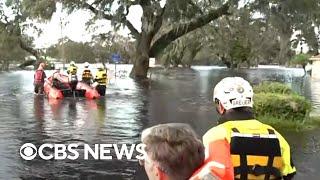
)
(257, 150)
(39, 77)
(101, 80)
(72, 75)
(57, 80)
(172, 152)
(86, 74)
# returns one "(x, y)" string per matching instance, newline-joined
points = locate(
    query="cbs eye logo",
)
(28, 151)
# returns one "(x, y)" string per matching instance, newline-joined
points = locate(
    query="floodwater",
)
(179, 96)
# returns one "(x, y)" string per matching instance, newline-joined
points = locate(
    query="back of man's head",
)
(174, 148)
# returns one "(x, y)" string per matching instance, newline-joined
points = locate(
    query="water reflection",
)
(56, 108)
(38, 106)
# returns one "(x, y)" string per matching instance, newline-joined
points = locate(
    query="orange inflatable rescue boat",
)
(81, 90)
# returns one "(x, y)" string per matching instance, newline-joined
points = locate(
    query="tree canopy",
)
(261, 32)
(99, 50)
(237, 32)
(162, 21)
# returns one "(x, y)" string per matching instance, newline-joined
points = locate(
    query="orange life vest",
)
(86, 75)
(39, 76)
(218, 164)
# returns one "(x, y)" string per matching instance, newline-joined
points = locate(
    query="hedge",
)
(283, 107)
(272, 87)
(277, 103)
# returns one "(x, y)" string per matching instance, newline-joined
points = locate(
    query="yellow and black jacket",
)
(258, 151)
(101, 77)
(72, 70)
(86, 74)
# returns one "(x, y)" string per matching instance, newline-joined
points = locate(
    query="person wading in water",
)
(39, 77)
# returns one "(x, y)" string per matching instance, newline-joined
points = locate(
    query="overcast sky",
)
(74, 26)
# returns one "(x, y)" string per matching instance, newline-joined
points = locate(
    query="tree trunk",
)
(141, 58)
(226, 62)
(234, 65)
(189, 56)
(5, 65)
(175, 62)
(284, 48)
(304, 69)
(151, 23)
(248, 64)
(238, 66)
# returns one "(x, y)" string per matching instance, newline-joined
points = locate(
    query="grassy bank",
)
(276, 104)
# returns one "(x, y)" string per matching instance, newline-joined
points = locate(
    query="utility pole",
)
(62, 44)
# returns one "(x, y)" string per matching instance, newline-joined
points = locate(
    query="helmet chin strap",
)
(220, 109)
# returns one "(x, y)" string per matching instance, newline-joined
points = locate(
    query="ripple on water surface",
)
(181, 96)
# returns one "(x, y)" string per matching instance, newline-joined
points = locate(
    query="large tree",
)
(289, 16)
(10, 51)
(15, 20)
(161, 23)
(259, 32)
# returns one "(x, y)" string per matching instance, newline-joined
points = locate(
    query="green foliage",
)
(10, 51)
(300, 59)
(40, 9)
(72, 51)
(279, 104)
(14, 21)
(272, 87)
(240, 38)
(78, 52)
(183, 50)
(239, 52)
(99, 50)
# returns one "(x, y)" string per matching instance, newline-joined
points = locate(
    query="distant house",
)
(315, 66)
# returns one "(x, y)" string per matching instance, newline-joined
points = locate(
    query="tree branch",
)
(97, 12)
(159, 20)
(132, 29)
(124, 20)
(29, 49)
(184, 28)
(144, 3)
(15, 30)
(195, 6)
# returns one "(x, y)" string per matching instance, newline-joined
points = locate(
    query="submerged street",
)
(182, 95)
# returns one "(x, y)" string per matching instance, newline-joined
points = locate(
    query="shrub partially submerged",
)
(272, 87)
(283, 107)
(276, 103)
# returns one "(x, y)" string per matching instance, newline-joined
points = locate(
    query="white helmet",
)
(233, 92)
(72, 63)
(100, 66)
(57, 68)
(86, 64)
